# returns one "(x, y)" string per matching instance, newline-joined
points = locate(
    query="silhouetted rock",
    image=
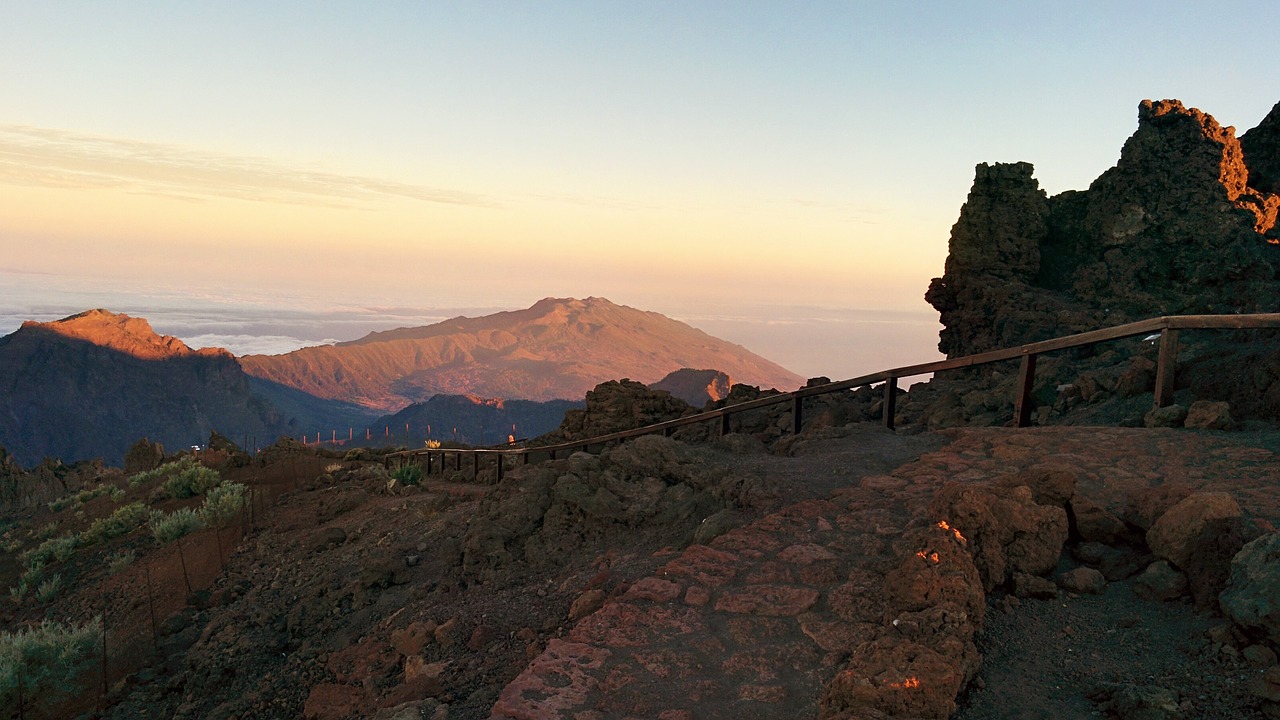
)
(143, 455)
(614, 406)
(696, 387)
(1261, 147)
(1172, 228)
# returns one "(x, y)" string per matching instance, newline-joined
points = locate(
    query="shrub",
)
(123, 521)
(120, 560)
(222, 503)
(45, 660)
(168, 528)
(59, 548)
(49, 589)
(164, 471)
(408, 474)
(18, 592)
(193, 481)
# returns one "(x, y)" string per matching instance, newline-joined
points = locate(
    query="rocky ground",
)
(673, 581)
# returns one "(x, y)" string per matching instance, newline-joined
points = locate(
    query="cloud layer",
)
(63, 159)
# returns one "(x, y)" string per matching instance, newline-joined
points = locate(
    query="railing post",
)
(797, 420)
(724, 424)
(1026, 380)
(1166, 367)
(498, 457)
(890, 405)
(475, 465)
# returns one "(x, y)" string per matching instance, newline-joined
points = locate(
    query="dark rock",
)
(1160, 582)
(1165, 417)
(696, 387)
(1034, 586)
(1252, 596)
(1208, 415)
(1083, 580)
(1175, 535)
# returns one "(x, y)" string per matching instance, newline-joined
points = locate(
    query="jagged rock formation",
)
(558, 349)
(1261, 147)
(696, 387)
(1175, 227)
(614, 406)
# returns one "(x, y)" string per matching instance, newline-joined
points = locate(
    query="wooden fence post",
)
(1166, 367)
(724, 424)
(797, 405)
(1026, 380)
(890, 405)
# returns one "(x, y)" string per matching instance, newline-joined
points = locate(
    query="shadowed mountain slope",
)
(557, 349)
(91, 384)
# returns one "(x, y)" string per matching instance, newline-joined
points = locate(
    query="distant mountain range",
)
(90, 385)
(556, 350)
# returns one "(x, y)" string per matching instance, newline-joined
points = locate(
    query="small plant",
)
(408, 474)
(222, 503)
(119, 560)
(19, 592)
(193, 481)
(172, 526)
(123, 521)
(44, 661)
(59, 548)
(47, 531)
(164, 471)
(117, 494)
(332, 468)
(61, 503)
(49, 589)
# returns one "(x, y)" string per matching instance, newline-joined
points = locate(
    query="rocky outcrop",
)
(1261, 147)
(696, 387)
(1175, 227)
(479, 421)
(614, 406)
(1252, 596)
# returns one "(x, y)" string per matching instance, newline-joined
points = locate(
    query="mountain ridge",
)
(559, 348)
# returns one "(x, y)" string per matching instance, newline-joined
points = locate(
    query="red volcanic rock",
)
(557, 681)
(779, 600)
(1175, 534)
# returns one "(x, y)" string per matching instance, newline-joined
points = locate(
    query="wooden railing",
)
(1167, 327)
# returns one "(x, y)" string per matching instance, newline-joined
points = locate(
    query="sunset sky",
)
(739, 165)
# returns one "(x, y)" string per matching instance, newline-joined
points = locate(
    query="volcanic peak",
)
(120, 332)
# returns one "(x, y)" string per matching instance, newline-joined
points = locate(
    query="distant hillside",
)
(90, 385)
(476, 421)
(557, 349)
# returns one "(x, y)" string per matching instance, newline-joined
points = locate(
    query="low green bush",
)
(193, 481)
(163, 472)
(120, 560)
(59, 548)
(408, 474)
(171, 526)
(49, 589)
(222, 503)
(45, 660)
(123, 521)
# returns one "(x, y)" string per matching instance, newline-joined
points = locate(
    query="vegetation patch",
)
(45, 660)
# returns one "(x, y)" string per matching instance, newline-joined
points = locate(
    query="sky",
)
(264, 174)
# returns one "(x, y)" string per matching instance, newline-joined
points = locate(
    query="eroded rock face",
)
(1007, 531)
(1175, 227)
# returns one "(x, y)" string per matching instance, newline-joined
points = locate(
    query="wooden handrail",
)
(1166, 326)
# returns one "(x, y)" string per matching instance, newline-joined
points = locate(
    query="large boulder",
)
(1175, 535)
(1252, 596)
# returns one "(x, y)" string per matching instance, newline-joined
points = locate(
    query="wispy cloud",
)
(55, 158)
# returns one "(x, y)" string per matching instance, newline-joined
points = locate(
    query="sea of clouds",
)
(836, 343)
